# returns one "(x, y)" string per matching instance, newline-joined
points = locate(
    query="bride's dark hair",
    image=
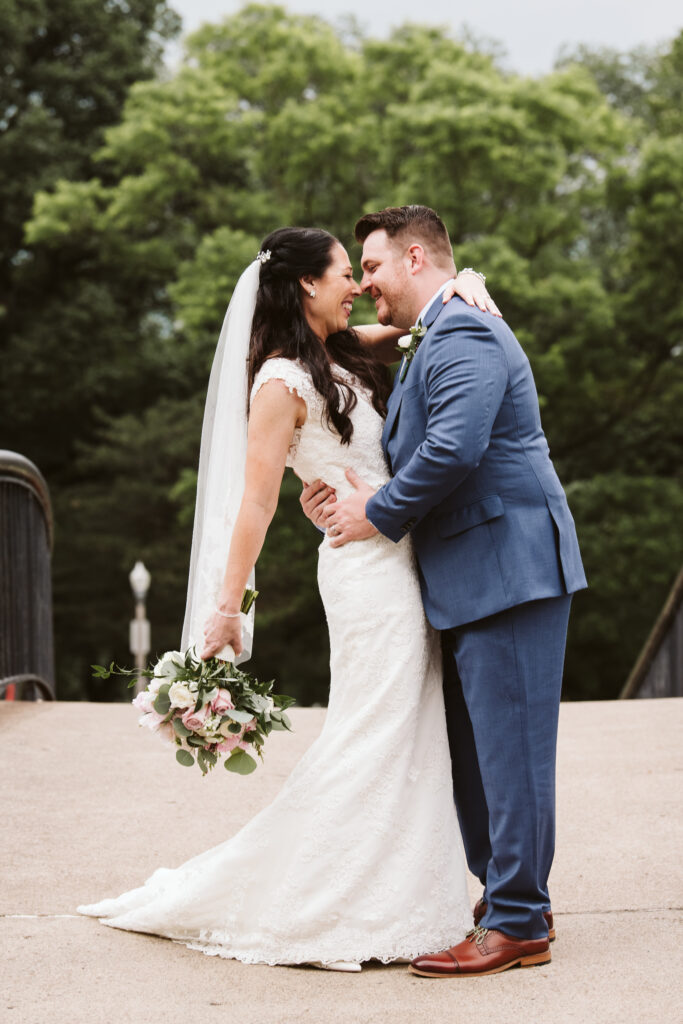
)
(280, 327)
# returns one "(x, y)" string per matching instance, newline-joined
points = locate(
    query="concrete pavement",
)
(91, 805)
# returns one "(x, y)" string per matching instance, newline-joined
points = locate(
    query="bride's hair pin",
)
(263, 257)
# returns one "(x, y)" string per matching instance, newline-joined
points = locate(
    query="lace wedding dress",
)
(359, 857)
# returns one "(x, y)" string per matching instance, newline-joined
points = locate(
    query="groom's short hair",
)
(404, 224)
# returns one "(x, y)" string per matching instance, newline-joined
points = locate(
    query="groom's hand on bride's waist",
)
(346, 520)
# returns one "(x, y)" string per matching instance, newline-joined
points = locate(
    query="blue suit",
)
(498, 558)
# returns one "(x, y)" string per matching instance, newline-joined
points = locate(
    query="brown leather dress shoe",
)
(480, 910)
(482, 952)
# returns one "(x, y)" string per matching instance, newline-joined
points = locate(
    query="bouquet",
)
(207, 709)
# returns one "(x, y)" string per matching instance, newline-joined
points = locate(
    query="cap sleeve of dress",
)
(298, 381)
(294, 375)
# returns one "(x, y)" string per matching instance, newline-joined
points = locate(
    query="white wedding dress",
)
(359, 856)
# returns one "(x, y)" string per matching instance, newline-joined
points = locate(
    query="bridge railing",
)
(26, 640)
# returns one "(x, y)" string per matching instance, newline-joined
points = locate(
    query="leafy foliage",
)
(566, 190)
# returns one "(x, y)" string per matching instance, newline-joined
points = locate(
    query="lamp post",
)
(139, 634)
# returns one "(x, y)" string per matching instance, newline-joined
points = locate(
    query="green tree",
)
(566, 190)
(67, 66)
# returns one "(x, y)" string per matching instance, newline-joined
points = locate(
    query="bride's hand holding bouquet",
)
(207, 707)
(223, 629)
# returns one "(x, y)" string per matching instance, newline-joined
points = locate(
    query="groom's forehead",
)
(376, 247)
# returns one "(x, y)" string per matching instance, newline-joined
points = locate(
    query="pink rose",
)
(144, 701)
(222, 702)
(167, 733)
(228, 744)
(194, 720)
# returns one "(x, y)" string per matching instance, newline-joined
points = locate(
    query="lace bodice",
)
(315, 452)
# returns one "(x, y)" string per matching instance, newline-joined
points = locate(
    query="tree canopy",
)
(566, 190)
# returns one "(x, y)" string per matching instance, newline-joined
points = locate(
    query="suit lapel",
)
(394, 403)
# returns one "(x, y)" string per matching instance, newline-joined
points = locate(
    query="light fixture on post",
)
(139, 636)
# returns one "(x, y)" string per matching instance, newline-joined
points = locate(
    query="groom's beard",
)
(396, 308)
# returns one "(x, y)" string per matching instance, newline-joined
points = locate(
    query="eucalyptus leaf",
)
(162, 703)
(180, 728)
(240, 762)
(240, 716)
(185, 758)
(235, 727)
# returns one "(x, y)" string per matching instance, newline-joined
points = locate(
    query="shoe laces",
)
(477, 934)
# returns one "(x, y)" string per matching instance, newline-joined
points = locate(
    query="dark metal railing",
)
(658, 672)
(26, 644)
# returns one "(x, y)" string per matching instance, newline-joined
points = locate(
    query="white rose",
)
(169, 665)
(180, 696)
(405, 341)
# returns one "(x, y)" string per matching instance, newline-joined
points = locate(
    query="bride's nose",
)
(357, 290)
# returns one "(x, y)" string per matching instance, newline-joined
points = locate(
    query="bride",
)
(359, 857)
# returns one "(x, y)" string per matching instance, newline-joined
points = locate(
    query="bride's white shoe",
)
(347, 966)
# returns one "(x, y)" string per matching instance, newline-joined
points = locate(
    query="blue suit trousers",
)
(502, 684)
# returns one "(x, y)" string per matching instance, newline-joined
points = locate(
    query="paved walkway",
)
(91, 805)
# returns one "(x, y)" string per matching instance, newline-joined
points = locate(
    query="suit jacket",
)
(473, 481)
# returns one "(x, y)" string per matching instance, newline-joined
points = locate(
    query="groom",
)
(474, 486)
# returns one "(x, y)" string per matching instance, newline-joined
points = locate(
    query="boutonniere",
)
(408, 346)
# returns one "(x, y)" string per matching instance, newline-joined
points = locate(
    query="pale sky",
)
(531, 31)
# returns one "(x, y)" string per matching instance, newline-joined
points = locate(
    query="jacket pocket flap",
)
(454, 522)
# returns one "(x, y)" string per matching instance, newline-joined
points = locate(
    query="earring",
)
(312, 293)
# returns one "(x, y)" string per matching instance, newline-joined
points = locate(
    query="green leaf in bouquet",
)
(277, 725)
(282, 701)
(185, 758)
(234, 727)
(196, 741)
(204, 760)
(180, 728)
(100, 672)
(286, 722)
(240, 716)
(164, 688)
(162, 703)
(240, 762)
(210, 758)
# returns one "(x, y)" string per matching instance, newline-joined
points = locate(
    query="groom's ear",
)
(416, 257)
